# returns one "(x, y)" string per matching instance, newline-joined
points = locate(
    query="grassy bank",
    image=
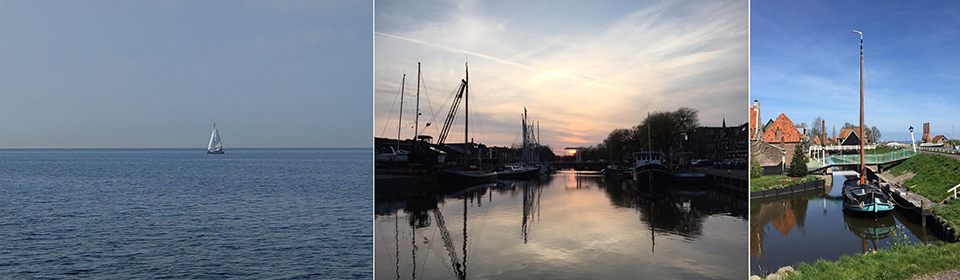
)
(776, 182)
(880, 150)
(935, 174)
(900, 262)
(950, 213)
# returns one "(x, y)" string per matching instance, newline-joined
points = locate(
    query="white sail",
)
(214, 144)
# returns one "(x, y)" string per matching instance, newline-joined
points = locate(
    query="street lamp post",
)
(913, 142)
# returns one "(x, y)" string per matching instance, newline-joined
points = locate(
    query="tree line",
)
(657, 132)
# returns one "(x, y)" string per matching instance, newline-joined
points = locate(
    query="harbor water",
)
(570, 225)
(184, 214)
(814, 227)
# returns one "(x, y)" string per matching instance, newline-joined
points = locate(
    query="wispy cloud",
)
(580, 79)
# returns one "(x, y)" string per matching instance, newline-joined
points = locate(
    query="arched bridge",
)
(853, 160)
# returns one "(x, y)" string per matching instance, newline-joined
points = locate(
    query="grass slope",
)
(902, 262)
(880, 150)
(775, 182)
(935, 174)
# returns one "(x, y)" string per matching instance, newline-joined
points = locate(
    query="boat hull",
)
(220, 152)
(652, 173)
(867, 198)
(528, 173)
(454, 176)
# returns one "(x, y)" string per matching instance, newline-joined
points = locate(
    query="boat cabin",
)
(644, 158)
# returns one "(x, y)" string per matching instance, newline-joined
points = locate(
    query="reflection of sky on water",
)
(807, 229)
(576, 227)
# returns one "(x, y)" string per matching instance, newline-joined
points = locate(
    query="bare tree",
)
(817, 129)
(875, 133)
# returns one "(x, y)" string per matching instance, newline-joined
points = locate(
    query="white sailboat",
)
(214, 147)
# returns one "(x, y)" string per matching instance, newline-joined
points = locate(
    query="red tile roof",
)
(787, 130)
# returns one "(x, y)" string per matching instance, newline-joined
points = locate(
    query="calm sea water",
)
(568, 226)
(183, 214)
(816, 227)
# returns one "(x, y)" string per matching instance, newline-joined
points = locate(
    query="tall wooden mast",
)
(466, 118)
(863, 167)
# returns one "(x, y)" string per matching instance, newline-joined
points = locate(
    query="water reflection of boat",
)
(649, 193)
(691, 186)
(870, 229)
(690, 176)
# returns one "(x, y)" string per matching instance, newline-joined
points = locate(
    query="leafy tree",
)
(664, 127)
(618, 144)
(798, 166)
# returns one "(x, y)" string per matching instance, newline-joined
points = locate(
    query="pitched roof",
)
(846, 132)
(787, 131)
(935, 139)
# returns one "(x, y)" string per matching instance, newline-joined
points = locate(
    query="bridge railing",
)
(855, 159)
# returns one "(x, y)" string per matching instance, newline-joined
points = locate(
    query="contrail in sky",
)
(507, 62)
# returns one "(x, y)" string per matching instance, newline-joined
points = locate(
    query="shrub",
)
(798, 166)
(755, 169)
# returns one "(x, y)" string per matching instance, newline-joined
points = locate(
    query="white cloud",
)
(580, 85)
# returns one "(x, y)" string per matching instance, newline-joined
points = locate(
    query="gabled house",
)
(779, 140)
(849, 136)
(940, 139)
(782, 130)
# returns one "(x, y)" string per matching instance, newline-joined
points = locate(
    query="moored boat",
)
(649, 168)
(859, 195)
(465, 175)
(866, 198)
(518, 171)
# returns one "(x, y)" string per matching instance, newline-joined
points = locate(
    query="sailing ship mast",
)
(416, 127)
(862, 166)
(466, 118)
(400, 121)
(523, 122)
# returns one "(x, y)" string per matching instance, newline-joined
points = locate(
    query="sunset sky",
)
(581, 69)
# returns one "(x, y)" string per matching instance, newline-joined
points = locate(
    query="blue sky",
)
(803, 64)
(157, 74)
(580, 68)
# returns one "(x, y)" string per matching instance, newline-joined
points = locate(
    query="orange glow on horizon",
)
(572, 152)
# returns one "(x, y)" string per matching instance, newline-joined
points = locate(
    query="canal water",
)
(569, 225)
(816, 227)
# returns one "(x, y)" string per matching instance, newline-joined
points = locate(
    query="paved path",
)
(946, 155)
(953, 274)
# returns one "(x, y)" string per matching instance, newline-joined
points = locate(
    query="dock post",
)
(923, 219)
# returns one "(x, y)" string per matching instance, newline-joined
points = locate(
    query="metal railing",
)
(855, 159)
